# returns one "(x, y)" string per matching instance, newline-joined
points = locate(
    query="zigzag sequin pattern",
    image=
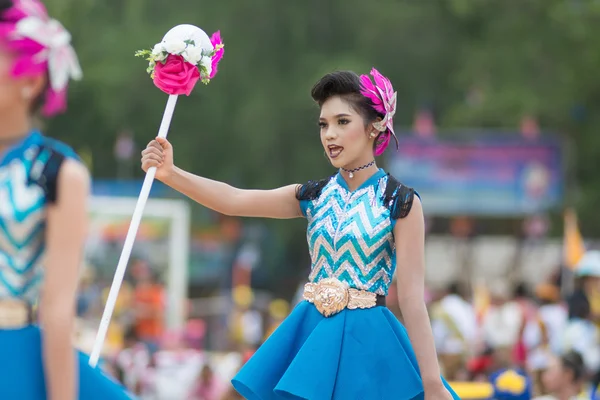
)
(350, 237)
(22, 223)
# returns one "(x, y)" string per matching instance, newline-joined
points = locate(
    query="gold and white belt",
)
(330, 296)
(15, 314)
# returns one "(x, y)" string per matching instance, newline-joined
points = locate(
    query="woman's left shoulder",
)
(58, 148)
(399, 198)
(53, 159)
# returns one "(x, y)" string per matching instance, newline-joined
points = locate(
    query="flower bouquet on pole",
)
(185, 56)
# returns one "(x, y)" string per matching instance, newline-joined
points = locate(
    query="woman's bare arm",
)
(409, 236)
(278, 203)
(65, 237)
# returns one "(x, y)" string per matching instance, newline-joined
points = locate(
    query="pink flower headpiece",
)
(382, 95)
(42, 45)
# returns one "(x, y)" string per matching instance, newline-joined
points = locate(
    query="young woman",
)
(43, 196)
(363, 225)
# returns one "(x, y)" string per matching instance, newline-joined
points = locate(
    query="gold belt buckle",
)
(13, 314)
(330, 296)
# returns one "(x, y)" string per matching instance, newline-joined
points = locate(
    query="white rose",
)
(158, 52)
(193, 54)
(175, 47)
(207, 63)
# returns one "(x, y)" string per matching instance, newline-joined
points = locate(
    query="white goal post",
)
(167, 219)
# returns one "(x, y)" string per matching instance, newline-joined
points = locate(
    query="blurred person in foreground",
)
(341, 341)
(44, 190)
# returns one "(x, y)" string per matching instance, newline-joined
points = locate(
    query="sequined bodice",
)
(350, 234)
(23, 200)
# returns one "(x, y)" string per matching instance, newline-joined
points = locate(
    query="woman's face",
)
(345, 139)
(9, 87)
(555, 376)
(16, 94)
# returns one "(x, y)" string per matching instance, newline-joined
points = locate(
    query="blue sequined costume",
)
(28, 175)
(358, 354)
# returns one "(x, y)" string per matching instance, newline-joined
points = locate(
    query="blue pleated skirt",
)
(22, 370)
(353, 355)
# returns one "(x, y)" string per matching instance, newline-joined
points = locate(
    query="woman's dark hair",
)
(345, 84)
(573, 362)
(4, 5)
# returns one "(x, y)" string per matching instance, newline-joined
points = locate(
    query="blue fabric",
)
(356, 354)
(22, 374)
(349, 235)
(304, 206)
(35, 138)
(23, 222)
(28, 173)
(394, 221)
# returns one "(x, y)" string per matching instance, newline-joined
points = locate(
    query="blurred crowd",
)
(541, 339)
(546, 336)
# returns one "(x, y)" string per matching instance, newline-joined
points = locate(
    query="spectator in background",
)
(122, 314)
(588, 274)
(278, 311)
(208, 387)
(89, 295)
(542, 336)
(176, 367)
(246, 323)
(581, 334)
(564, 378)
(501, 324)
(148, 304)
(454, 328)
(132, 362)
(523, 299)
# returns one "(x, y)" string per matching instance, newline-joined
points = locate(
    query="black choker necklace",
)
(352, 171)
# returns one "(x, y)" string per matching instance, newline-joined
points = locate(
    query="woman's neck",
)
(358, 177)
(12, 130)
(567, 392)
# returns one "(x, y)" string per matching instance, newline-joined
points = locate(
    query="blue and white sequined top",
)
(28, 173)
(350, 233)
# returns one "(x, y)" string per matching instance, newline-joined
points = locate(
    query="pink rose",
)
(176, 76)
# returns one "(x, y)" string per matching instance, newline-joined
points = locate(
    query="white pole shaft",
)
(129, 240)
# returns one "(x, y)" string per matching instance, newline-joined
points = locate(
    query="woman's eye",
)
(322, 125)
(344, 121)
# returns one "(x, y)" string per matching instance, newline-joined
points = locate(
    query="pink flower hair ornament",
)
(382, 95)
(42, 46)
(184, 56)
